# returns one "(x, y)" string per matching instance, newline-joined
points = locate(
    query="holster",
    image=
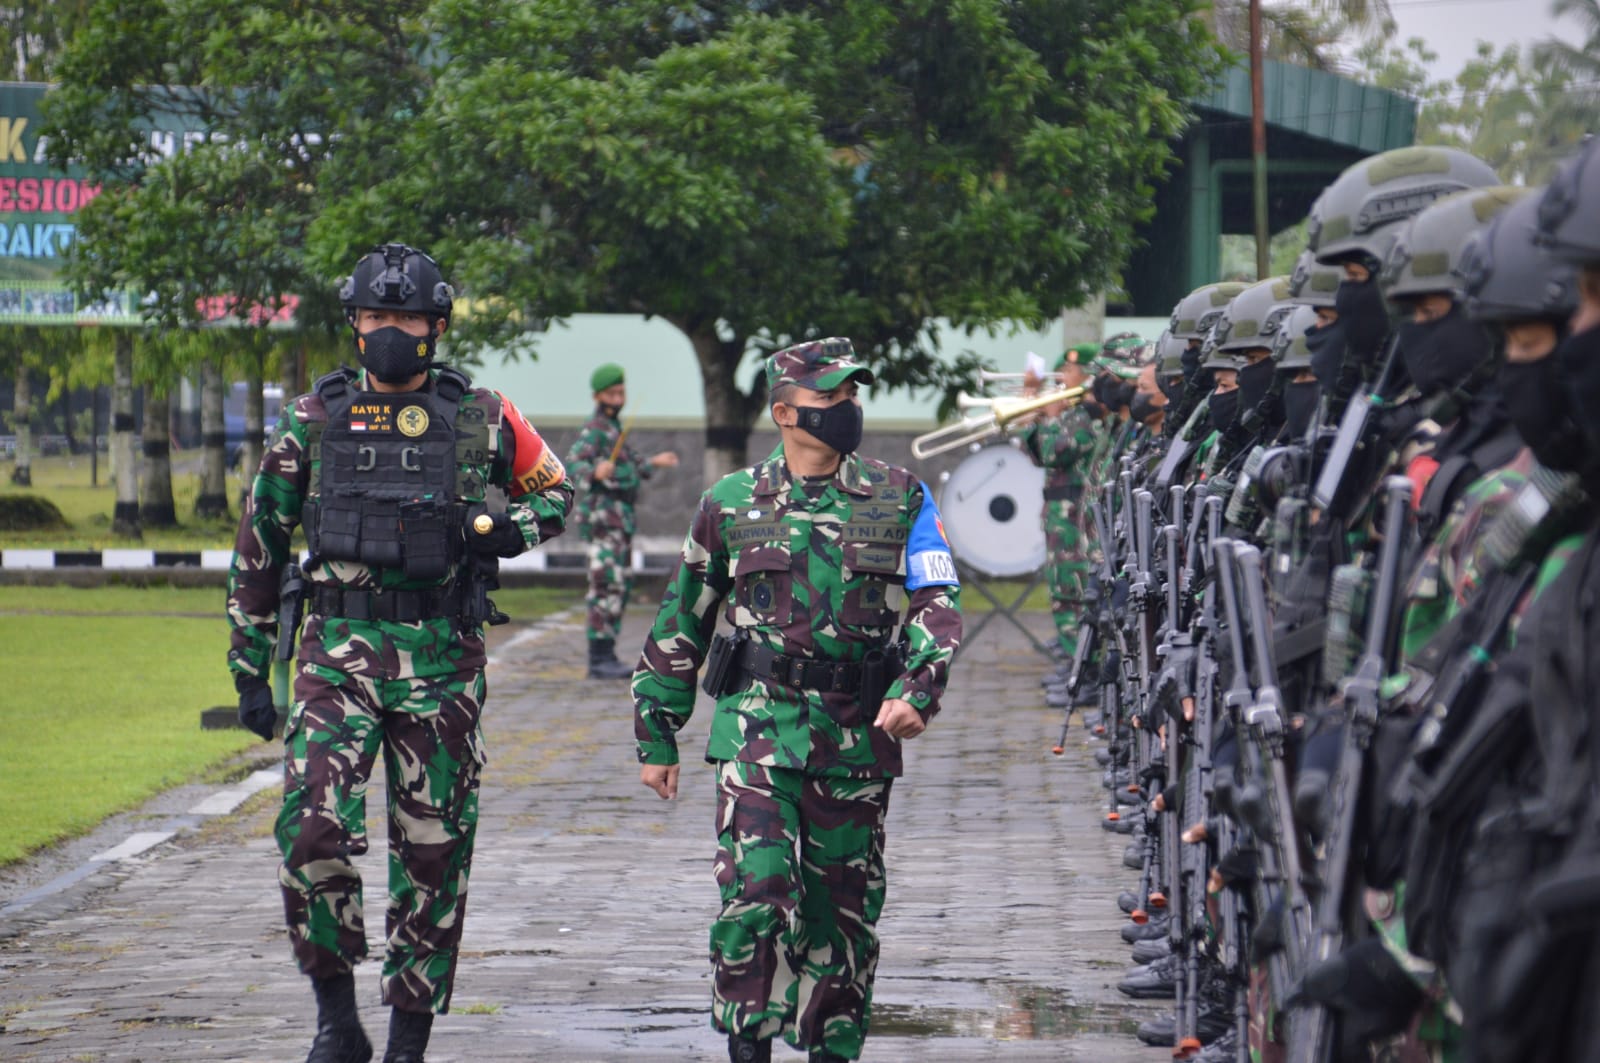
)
(723, 674)
(879, 669)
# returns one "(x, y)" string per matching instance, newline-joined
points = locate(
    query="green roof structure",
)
(1317, 125)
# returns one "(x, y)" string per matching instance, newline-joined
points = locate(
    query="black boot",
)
(1154, 981)
(340, 1038)
(408, 1036)
(603, 663)
(748, 1050)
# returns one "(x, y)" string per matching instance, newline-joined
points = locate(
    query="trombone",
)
(1002, 413)
(1012, 382)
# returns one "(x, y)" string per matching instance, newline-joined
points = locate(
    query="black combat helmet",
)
(1313, 284)
(1196, 312)
(1289, 349)
(1252, 317)
(1358, 216)
(1569, 210)
(397, 277)
(1426, 257)
(1506, 277)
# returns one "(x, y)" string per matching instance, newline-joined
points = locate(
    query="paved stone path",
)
(591, 898)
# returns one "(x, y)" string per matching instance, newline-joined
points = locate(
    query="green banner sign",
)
(38, 205)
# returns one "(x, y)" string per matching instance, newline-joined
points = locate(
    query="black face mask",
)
(1578, 360)
(1300, 405)
(1172, 389)
(1112, 393)
(1326, 344)
(1142, 407)
(1440, 355)
(610, 410)
(1536, 399)
(1224, 406)
(837, 427)
(393, 355)
(1363, 317)
(1254, 380)
(1190, 360)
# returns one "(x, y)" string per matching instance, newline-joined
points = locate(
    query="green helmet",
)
(1252, 318)
(1289, 348)
(1359, 214)
(1196, 312)
(1311, 283)
(1426, 257)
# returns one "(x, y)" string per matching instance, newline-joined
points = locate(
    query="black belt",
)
(399, 605)
(800, 673)
(1063, 493)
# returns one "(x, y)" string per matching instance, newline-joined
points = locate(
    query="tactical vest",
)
(391, 474)
(872, 551)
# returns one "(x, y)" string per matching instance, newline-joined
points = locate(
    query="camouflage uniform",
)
(412, 688)
(605, 518)
(820, 571)
(1063, 446)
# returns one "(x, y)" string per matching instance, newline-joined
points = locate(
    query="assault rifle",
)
(1273, 824)
(1186, 868)
(1160, 836)
(1111, 641)
(1311, 1026)
(1339, 482)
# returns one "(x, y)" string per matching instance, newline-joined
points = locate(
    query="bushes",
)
(30, 513)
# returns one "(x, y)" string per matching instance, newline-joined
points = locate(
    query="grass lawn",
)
(109, 712)
(65, 481)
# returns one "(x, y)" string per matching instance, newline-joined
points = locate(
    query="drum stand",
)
(971, 578)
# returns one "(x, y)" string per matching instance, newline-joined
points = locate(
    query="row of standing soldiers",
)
(1326, 576)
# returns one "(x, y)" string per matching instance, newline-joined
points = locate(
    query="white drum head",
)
(991, 506)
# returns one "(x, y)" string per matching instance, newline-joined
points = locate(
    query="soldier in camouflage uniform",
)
(387, 472)
(1061, 443)
(819, 553)
(610, 472)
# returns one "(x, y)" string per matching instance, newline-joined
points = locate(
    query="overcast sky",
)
(1453, 28)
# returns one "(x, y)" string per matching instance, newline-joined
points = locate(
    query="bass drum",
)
(990, 504)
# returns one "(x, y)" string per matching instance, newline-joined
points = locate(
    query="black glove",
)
(503, 540)
(256, 710)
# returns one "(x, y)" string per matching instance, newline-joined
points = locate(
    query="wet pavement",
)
(159, 937)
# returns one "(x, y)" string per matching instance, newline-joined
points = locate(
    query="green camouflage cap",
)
(605, 376)
(819, 365)
(1125, 354)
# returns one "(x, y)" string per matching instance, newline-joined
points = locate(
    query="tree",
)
(215, 224)
(1520, 114)
(267, 94)
(755, 173)
(761, 173)
(38, 30)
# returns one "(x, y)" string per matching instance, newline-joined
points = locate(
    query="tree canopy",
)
(753, 172)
